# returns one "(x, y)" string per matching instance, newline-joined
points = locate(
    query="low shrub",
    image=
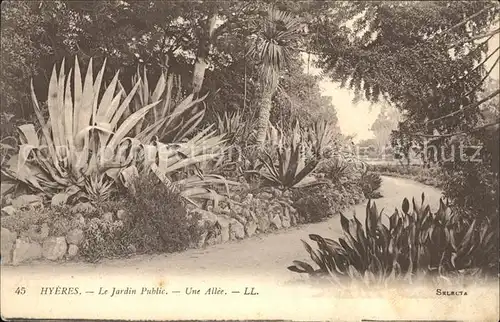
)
(317, 203)
(396, 168)
(429, 176)
(22, 220)
(104, 239)
(370, 183)
(59, 220)
(416, 244)
(158, 220)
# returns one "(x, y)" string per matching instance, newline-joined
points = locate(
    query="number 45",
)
(20, 290)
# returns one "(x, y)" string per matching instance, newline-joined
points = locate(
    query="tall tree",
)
(424, 57)
(272, 46)
(299, 96)
(386, 122)
(429, 60)
(185, 36)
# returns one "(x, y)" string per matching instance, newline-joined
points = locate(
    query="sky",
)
(354, 119)
(357, 119)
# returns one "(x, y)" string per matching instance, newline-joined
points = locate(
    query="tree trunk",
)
(199, 74)
(264, 112)
(204, 47)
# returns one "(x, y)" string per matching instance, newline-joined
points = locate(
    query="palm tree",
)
(272, 46)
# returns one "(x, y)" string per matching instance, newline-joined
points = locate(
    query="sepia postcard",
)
(250, 160)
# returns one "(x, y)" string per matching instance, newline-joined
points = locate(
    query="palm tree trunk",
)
(264, 112)
(204, 47)
(199, 74)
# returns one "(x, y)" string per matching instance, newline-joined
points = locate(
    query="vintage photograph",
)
(250, 160)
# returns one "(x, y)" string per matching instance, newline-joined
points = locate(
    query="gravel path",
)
(266, 256)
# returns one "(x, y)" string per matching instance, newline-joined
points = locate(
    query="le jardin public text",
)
(125, 291)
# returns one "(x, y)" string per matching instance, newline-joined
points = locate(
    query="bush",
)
(59, 220)
(22, 220)
(416, 243)
(370, 183)
(158, 220)
(317, 203)
(473, 189)
(335, 169)
(430, 176)
(104, 239)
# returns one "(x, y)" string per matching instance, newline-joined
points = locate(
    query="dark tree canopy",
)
(415, 53)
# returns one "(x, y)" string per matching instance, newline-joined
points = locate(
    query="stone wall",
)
(29, 233)
(247, 216)
(44, 237)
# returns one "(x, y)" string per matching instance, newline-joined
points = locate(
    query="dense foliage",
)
(199, 100)
(370, 183)
(156, 221)
(432, 176)
(158, 218)
(417, 243)
(429, 60)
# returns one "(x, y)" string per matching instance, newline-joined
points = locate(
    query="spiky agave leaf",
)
(80, 127)
(319, 137)
(166, 160)
(172, 120)
(98, 188)
(289, 169)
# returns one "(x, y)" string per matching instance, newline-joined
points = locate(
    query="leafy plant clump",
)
(158, 219)
(317, 203)
(79, 140)
(341, 189)
(104, 239)
(370, 183)
(430, 176)
(415, 244)
(156, 222)
(290, 168)
(95, 134)
(335, 169)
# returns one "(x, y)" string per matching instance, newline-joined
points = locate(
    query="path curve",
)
(266, 256)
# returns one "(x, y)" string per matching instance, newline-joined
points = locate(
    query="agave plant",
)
(416, 243)
(172, 163)
(290, 168)
(250, 160)
(334, 168)
(98, 188)
(275, 137)
(82, 135)
(174, 118)
(231, 125)
(321, 138)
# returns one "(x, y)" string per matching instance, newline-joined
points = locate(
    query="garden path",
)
(266, 256)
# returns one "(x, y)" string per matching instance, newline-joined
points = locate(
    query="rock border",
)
(268, 210)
